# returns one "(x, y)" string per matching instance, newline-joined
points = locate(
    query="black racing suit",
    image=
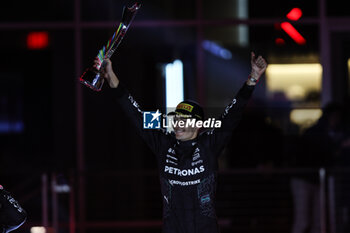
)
(12, 215)
(187, 169)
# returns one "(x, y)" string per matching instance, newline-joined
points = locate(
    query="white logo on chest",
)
(184, 172)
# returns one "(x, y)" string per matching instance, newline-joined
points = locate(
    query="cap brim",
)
(179, 114)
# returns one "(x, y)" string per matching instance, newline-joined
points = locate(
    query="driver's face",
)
(182, 132)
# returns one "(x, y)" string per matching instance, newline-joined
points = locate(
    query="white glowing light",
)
(295, 80)
(174, 84)
(305, 117)
(243, 30)
(37, 229)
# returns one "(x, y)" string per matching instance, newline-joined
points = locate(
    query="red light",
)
(293, 33)
(37, 40)
(294, 14)
(277, 26)
(279, 41)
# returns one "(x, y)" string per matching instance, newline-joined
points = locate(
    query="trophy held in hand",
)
(91, 77)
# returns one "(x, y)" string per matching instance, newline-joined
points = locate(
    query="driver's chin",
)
(183, 135)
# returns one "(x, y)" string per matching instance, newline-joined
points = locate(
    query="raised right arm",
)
(153, 137)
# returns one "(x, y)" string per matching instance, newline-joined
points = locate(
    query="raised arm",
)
(233, 112)
(129, 106)
(258, 67)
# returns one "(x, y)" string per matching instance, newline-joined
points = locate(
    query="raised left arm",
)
(258, 66)
(232, 114)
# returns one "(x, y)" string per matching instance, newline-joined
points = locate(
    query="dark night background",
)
(50, 124)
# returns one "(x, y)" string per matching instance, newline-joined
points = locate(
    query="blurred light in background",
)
(174, 84)
(349, 75)
(7, 126)
(279, 41)
(37, 40)
(243, 30)
(216, 50)
(11, 103)
(37, 230)
(293, 33)
(61, 188)
(294, 80)
(294, 14)
(305, 117)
